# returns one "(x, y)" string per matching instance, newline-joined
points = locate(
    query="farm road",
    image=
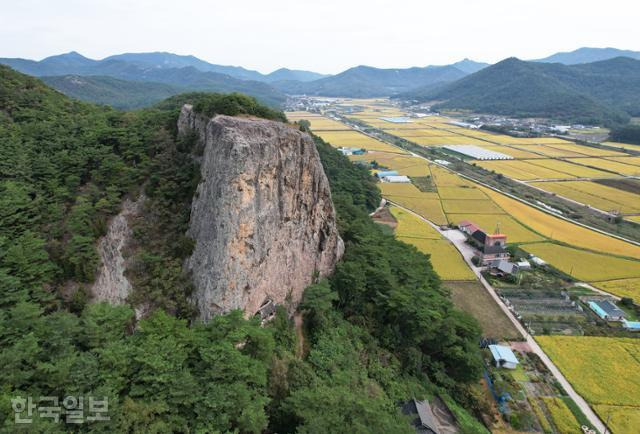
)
(458, 239)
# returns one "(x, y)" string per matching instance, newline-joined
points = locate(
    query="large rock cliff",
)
(262, 217)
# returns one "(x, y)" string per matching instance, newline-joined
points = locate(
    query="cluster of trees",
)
(380, 331)
(629, 133)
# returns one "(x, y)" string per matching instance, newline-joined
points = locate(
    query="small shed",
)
(503, 357)
(523, 265)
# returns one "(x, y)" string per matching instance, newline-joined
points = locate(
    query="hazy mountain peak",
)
(588, 55)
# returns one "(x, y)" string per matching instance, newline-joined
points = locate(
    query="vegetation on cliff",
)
(380, 331)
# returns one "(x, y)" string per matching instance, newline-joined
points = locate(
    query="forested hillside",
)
(380, 331)
(595, 93)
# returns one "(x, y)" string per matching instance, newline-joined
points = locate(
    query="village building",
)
(607, 310)
(492, 247)
(503, 357)
(382, 173)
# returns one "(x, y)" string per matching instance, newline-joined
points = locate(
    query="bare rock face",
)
(111, 285)
(262, 217)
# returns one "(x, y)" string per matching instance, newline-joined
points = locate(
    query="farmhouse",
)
(491, 246)
(503, 357)
(607, 310)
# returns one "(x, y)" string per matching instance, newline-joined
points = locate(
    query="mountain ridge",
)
(606, 91)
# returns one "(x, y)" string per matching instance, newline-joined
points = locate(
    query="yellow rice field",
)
(444, 178)
(522, 170)
(425, 205)
(622, 145)
(549, 151)
(517, 153)
(402, 189)
(605, 371)
(618, 167)
(356, 139)
(634, 161)
(622, 419)
(588, 150)
(585, 265)
(404, 164)
(621, 287)
(572, 169)
(446, 260)
(445, 141)
(470, 206)
(562, 230)
(516, 232)
(410, 226)
(461, 193)
(596, 195)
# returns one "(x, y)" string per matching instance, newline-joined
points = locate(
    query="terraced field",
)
(605, 371)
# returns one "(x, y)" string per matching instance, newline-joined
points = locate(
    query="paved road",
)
(458, 239)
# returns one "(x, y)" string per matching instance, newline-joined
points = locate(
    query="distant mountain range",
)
(162, 74)
(606, 91)
(565, 85)
(588, 55)
(366, 81)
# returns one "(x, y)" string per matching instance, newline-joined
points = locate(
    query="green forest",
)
(380, 331)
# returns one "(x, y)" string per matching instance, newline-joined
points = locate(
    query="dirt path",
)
(458, 240)
(298, 323)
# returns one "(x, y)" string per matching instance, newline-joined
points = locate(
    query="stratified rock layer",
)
(262, 217)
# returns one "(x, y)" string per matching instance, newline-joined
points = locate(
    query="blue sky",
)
(326, 36)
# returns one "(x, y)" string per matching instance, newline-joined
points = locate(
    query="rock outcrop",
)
(262, 217)
(111, 284)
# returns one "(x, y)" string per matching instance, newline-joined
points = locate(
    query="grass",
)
(474, 299)
(583, 265)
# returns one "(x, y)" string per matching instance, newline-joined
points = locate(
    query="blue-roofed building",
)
(606, 310)
(503, 357)
(632, 326)
(384, 173)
